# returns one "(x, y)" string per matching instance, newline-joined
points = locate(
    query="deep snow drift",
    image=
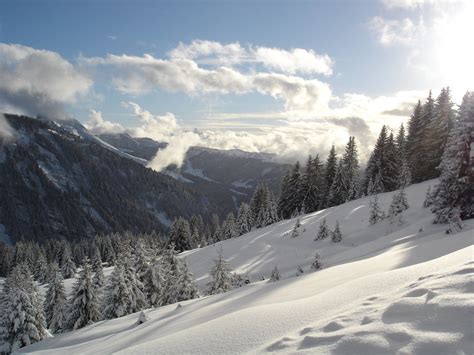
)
(404, 289)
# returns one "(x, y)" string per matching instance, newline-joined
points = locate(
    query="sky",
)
(284, 77)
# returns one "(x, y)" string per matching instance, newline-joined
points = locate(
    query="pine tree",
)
(69, 267)
(294, 232)
(154, 283)
(244, 220)
(439, 127)
(117, 297)
(316, 264)
(398, 205)
(98, 270)
(55, 302)
(275, 275)
(323, 232)
(454, 195)
(350, 171)
(22, 319)
(180, 234)
(229, 227)
(312, 185)
(329, 174)
(336, 191)
(414, 141)
(404, 177)
(392, 165)
(336, 235)
(85, 302)
(376, 214)
(188, 290)
(299, 270)
(221, 276)
(295, 191)
(134, 285)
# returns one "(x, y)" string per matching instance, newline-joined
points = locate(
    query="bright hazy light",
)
(455, 50)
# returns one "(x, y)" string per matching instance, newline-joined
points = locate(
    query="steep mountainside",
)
(225, 176)
(384, 289)
(57, 180)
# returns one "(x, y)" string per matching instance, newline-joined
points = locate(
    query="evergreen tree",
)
(404, 177)
(329, 174)
(154, 283)
(336, 192)
(180, 234)
(428, 198)
(323, 232)
(392, 165)
(188, 290)
(275, 275)
(55, 302)
(294, 232)
(336, 235)
(350, 171)
(439, 127)
(22, 319)
(98, 270)
(454, 195)
(295, 191)
(244, 220)
(414, 142)
(221, 276)
(117, 297)
(68, 266)
(173, 270)
(299, 270)
(398, 205)
(376, 214)
(229, 227)
(134, 285)
(312, 185)
(316, 264)
(85, 302)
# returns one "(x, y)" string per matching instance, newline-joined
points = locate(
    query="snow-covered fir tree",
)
(154, 283)
(275, 275)
(330, 170)
(55, 303)
(336, 235)
(312, 185)
(229, 227)
(454, 195)
(244, 219)
(22, 319)
(299, 270)
(336, 192)
(316, 264)
(221, 276)
(294, 231)
(398, 205)
(376, 214)
(323, 231)
(180, 234)
(134, 285)
(172, 267)
(117, 299)
(68, 266)
(188, 289)
(84, 306)
(350, 171)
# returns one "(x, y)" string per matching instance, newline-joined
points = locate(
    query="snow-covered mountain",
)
(384, 289)
(58, 180)
(226, 176)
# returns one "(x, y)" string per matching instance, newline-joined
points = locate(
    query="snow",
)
(246, 184)
(238, 192)
(195, 172)
(176, 176)
(384, 289)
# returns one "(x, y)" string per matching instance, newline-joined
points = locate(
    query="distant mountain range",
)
(227, 177)
(57, 180)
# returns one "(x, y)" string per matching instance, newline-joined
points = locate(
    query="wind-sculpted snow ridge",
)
(384, 289)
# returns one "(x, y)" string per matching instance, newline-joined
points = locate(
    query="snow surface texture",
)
(385, 289)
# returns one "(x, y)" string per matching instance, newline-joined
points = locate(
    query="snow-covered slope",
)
(385, 289)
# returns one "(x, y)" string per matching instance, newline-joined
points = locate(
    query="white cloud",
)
(98, 125)
(38, 82)
(406, 4)
(138, 75)
(296, 60)
(404, 31)
(7, 133)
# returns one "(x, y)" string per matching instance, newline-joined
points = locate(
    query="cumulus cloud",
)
(38, 82)
(98, 125)
(404, 31)
(296, 60)
(138, 75)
